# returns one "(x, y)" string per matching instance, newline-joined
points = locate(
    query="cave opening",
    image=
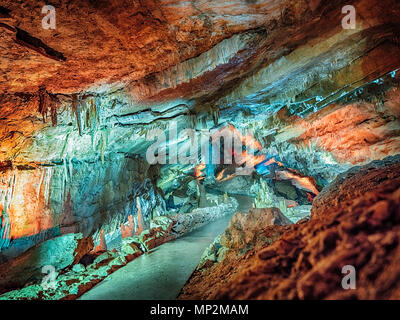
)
(188, 150)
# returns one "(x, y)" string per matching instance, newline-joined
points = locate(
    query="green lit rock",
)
(104, 258)
(78, 268)
(59, 253)
(130, 250)
(163, 222)
(286, 189)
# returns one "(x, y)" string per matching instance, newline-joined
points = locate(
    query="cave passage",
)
(200, 150)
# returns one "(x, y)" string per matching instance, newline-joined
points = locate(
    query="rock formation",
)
(126, 115)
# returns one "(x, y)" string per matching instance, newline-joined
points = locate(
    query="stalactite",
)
(93, 139)
(65, 171)
(5, 238)
(265, 197)
(63, 150)
(6, 198)
(43, 103)
(76, 109)
(135, 225)
(40, 184)
(87, 119)
(193, 120)
(91, 115)
(93, 111)
(48, 176)
(70, 168)
(98, 106)
(102, 146)
(53, 110)
(215, 112)
(46, 103)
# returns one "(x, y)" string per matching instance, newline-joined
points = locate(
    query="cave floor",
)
(161, 273)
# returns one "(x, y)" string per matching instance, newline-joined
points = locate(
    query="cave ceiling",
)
(112, 70)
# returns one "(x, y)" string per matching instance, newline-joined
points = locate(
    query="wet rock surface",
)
(305, 260)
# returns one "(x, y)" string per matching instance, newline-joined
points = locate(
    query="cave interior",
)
(199, 149)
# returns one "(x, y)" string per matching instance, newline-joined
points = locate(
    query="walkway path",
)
(162, 273)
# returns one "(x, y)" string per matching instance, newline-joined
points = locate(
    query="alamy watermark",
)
(349, 20)
(217, 146)
(49, 20)
(49, 280)
(349, 280)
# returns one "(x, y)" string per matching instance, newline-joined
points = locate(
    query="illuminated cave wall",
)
(81, 196)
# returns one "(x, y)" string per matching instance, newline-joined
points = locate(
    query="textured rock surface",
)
(122, 40)
(266, 198)
(212, 277)
(356, 182)
(244, 228)
(305, 260)
(72, 284)
(59, 253)
(243, 234)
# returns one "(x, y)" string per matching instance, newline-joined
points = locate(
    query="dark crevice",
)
(5, 25)
(4, 12)
(25, 39)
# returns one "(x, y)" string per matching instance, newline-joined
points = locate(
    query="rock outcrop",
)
(76, 197)
(58, 253)
(355, 182)
(243, 234)
(244, 228)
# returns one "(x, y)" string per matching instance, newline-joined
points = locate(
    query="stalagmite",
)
(102, 246)
(128, 231)
(139, 217)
